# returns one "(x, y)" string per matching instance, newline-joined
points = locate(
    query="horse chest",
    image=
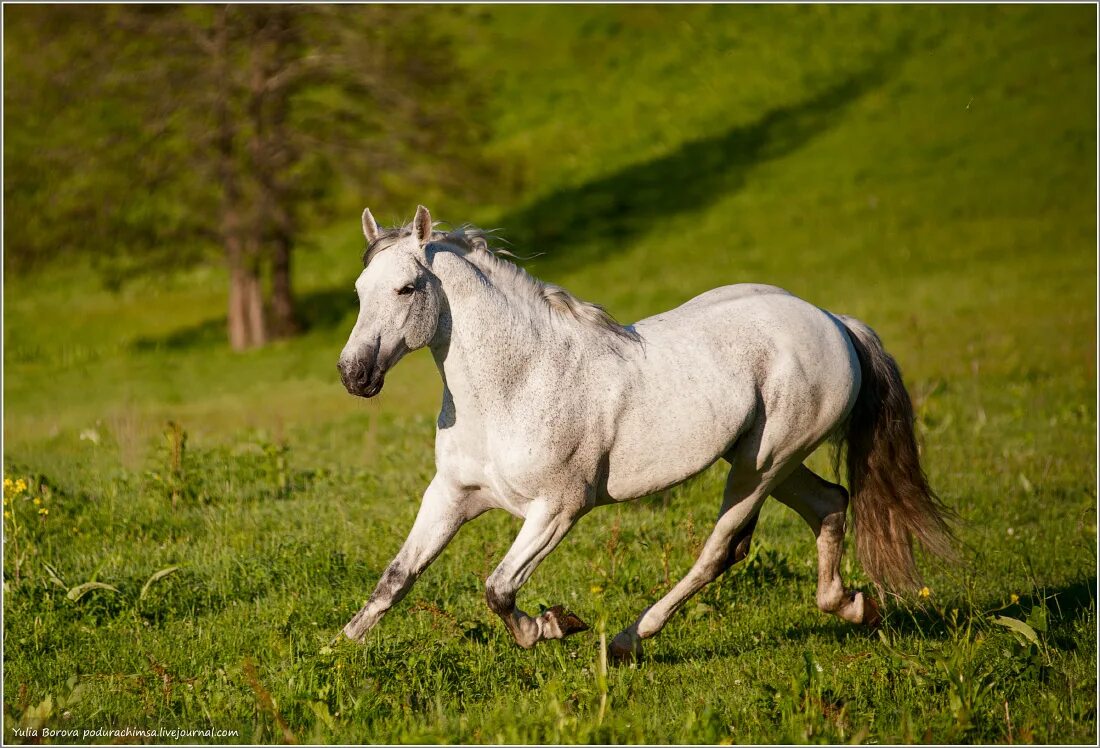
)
(514, 462)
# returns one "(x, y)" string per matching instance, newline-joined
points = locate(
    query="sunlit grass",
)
(951, 205)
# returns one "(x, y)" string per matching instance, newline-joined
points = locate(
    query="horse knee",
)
(500, 597)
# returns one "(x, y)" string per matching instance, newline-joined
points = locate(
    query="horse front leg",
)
(543, 528)
(441, 513)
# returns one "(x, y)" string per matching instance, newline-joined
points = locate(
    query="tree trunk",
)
(237, 314)
(254, 292)
(271, 152)
(243, 283)
(284, 319)
(254, 298)
(246, 318)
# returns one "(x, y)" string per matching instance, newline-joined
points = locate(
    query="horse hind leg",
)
(824, 506)
(738, 548)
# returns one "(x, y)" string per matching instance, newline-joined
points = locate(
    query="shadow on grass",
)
(326, 309)
(1065, 605)
(577, 225)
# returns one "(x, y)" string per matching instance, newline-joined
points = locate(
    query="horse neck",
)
(493, 335)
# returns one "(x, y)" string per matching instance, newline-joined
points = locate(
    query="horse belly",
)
(660, 447)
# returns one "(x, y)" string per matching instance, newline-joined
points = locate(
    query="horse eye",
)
(406, 290)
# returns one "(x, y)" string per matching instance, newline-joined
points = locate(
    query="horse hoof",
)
(566, 622)
(624, 649)
(872, 615)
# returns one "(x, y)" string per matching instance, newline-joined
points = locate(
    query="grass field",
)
(929, 170)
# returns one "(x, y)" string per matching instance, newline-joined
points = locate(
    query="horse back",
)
(718, 366)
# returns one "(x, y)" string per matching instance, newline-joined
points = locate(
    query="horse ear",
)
(422, 224)
(370, 226)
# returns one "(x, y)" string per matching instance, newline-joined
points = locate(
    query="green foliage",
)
(80, 125)
(50, 712)
(255, 469)
(809, 712)
(113, 147)
(949, 201)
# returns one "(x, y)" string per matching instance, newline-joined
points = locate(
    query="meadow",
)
(194, 526)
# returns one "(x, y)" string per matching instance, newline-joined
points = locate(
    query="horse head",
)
(399, 303)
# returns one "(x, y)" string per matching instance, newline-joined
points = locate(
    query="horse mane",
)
(473, 244)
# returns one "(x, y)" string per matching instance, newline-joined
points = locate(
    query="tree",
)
(172, 129)
(92, 167)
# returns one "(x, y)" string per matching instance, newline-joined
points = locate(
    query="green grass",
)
(929, 170)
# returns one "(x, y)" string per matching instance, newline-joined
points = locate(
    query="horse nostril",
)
(355, 373)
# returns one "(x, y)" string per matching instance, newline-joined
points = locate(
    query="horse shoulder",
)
(542, 446)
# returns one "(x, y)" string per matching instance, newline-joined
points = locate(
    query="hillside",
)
(930, 170)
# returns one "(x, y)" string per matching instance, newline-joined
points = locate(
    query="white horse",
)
(551, 408)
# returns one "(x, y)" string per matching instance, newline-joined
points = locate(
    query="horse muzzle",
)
(360, 378)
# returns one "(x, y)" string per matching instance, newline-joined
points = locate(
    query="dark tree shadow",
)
(329, 308)
(576, 225)
(325, 309)
(1064, 606)
(205, 334)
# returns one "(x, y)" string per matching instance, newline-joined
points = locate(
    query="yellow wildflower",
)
(925, 592)
(14, 489)
(43, 511)
(1014, 597)
(37, 501)
(7, 514)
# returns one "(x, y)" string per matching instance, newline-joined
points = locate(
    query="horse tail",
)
(892, 503)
